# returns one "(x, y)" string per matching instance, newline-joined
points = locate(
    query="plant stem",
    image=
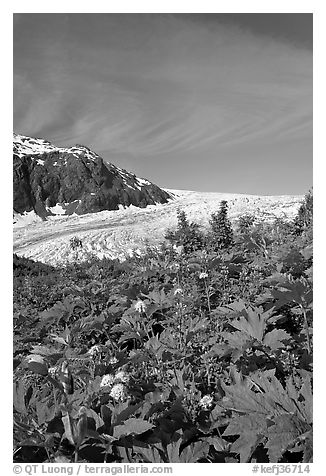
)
(207, 295)
(306, 326)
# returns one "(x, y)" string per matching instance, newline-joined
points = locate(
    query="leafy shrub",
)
(24, 266)
(245, 223)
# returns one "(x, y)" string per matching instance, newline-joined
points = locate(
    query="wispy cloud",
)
(148, 85)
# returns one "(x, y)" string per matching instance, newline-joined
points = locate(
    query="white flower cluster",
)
(107, 380)
(203, 276)
(178, 291)
(140, 306)
(118, 392)
(115, 385)
(206, 402)
(113, 361)
(94, 350)
(52, 371)
(178, 249)
(122, 377)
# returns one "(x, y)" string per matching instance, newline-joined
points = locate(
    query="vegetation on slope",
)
(198, 352)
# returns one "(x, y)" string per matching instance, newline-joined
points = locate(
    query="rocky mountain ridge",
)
(52, 180)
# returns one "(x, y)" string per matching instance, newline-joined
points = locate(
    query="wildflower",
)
(53, 371)
(206, 402)
(140, 306)
(118, 392)
(113, 360)
(178, 291)
(122, 377)
(94, 350)
(203, 276)
(178, 249)
(107, 380)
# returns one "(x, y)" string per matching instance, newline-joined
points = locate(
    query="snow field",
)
(121, 233)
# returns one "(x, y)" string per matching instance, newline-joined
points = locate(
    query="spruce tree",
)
(221, 228)
(187, 234)
(304, 218)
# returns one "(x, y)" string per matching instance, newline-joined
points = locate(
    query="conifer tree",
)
(221, 228)
(304, 218)
(187, 234)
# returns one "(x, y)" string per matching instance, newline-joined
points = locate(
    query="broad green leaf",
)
(95, 416)
(275, 338)
(305, 405)
(37, 364)
(123, 411)
(282, 434)
(219, 444)
(236, 340)
(245, 445)
(132, 426)
(178, 380)
(44, 413)
(173, 450)
(253, 322)
(306, 392)
(81, 426)
(150, 454)
(156, 346)
(46, 351)
(275, 396)
(60, 310)
(197, 324)
(19, 397)
(193, 452)
(261, 402)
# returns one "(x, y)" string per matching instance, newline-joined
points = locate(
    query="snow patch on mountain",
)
(24, 145)
(21, 220)
(143, 181)
(57, 209)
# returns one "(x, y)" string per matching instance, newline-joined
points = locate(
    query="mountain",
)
(52, 180)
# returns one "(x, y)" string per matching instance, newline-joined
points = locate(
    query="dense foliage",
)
(190, 353)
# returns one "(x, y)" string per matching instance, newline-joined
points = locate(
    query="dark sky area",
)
(207, 102)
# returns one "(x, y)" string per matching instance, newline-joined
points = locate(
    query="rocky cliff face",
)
(60, 181)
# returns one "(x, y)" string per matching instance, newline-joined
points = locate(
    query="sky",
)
(205, 102)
